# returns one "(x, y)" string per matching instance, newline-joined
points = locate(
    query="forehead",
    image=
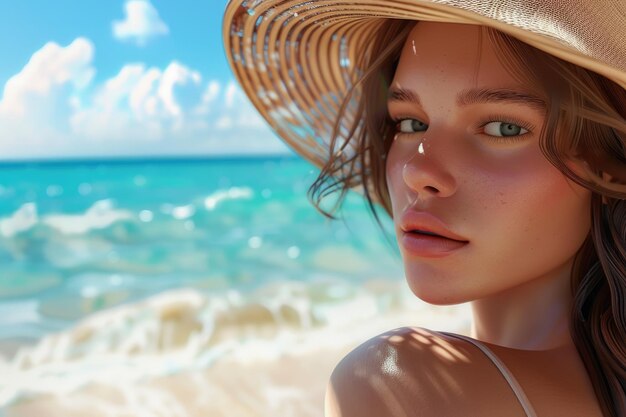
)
(450, 51)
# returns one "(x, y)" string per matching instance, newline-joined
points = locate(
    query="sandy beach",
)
(293, 384)
(293, 387)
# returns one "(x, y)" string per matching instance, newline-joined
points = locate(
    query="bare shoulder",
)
(413, 371)
(407, 371)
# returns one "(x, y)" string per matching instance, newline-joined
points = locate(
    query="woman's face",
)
(467, 152)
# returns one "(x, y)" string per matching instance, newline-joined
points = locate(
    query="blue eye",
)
(411, 126)
(504, 129)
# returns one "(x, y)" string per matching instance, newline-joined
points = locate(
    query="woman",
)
(493, 134)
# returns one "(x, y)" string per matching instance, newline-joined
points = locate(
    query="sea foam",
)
(184, 329)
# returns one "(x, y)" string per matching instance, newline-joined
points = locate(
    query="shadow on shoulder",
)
(409, 371)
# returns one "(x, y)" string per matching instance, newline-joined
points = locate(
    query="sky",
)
(121, 78)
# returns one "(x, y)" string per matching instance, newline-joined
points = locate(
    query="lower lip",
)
(428, 246)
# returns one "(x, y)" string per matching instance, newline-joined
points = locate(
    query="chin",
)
(437, 293)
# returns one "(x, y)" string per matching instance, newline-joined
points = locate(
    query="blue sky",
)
(93, 78)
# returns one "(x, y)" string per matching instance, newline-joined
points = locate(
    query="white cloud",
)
(137, 103)
(53, 108)
(49, 73)
(175, 74)
(141, 23)
(209, 96)
(230, 95)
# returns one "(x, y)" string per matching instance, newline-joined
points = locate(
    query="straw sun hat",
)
(295, 59)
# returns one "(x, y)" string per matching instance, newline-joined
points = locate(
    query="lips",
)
(423, 223)
(423, 232)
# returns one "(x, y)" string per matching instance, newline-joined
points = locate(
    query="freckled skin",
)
(524, 219)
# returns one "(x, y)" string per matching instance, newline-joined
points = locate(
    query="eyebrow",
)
(475, 96)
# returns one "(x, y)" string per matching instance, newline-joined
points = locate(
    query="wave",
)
(184, 329)
(23, 219)
(233, 193)
(102, 214)
(99, 216)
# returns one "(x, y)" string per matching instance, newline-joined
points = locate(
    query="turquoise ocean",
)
(151, 267)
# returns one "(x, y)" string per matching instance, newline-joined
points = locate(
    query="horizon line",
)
(148, 158)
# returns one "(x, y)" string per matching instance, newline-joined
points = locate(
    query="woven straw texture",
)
(295, 59)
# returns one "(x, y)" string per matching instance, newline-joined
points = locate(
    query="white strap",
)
(519, 392)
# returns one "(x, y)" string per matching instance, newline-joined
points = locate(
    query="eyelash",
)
(482, 123)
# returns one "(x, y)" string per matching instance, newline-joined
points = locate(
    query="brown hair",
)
(585, 123)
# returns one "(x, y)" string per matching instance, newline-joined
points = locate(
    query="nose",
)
(426, 173)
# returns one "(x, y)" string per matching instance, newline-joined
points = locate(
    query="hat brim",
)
(295, 60)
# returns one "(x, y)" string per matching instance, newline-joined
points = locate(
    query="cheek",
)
(393, 173)
(567, 208)
(549, 213)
